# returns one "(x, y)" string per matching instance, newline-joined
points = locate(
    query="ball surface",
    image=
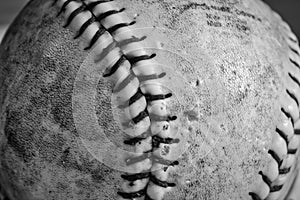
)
(163, 100)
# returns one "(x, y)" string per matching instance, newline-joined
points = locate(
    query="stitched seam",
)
(156, 140)
(284, 136)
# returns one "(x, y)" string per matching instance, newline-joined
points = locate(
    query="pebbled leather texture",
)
(228, 71)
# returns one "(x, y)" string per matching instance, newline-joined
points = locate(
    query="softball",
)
(149, 100)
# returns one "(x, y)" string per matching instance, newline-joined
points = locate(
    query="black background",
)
(290, 12)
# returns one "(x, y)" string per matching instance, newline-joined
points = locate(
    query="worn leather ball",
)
(149, 100)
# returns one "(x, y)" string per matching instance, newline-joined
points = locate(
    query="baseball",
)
(149, 100)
